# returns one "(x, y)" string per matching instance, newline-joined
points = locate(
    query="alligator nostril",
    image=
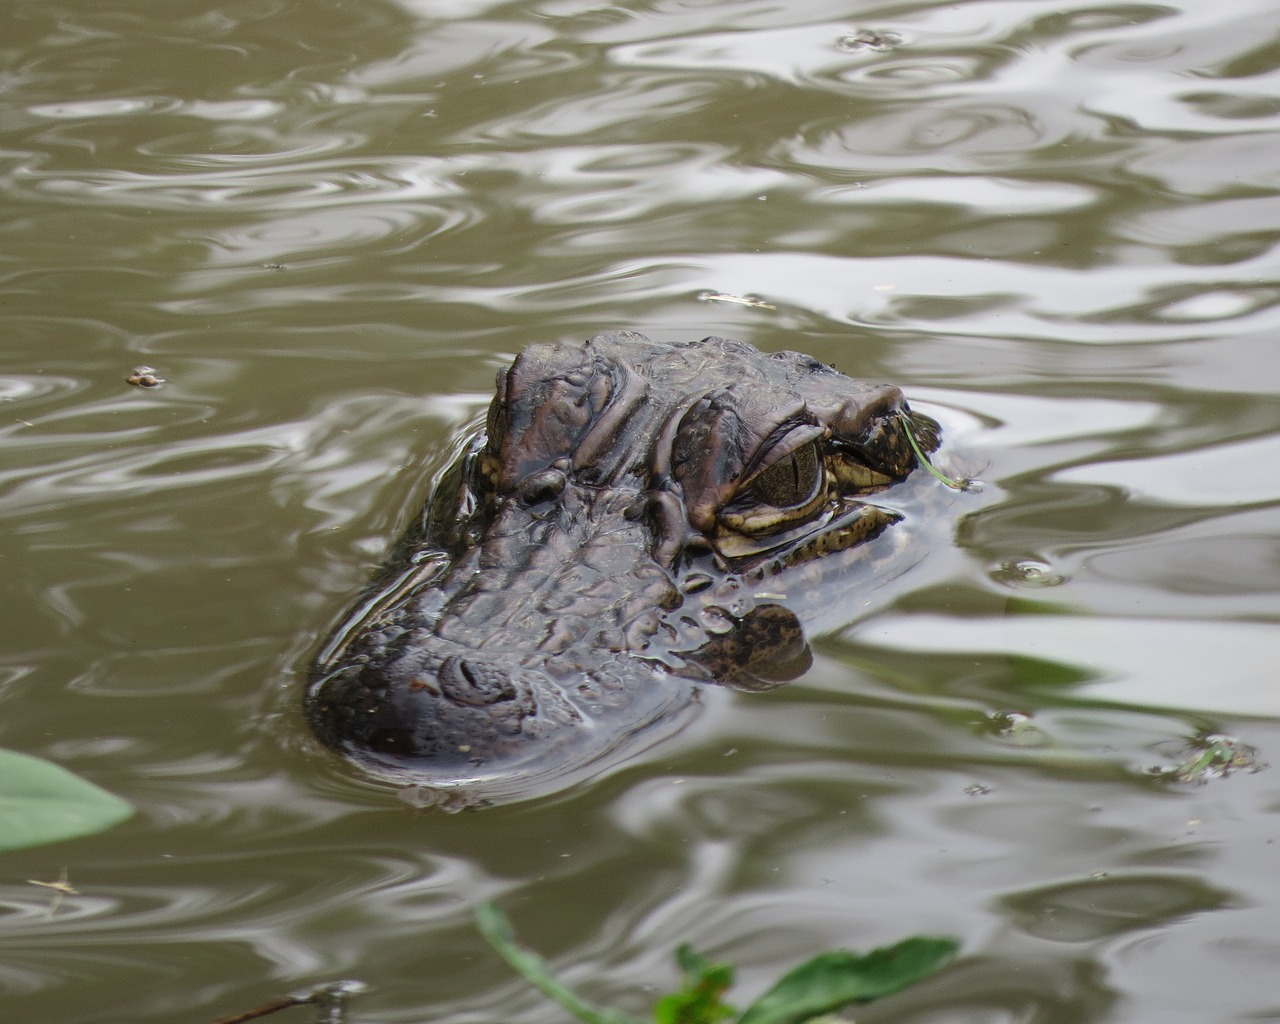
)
(474, 683)
(546, 485)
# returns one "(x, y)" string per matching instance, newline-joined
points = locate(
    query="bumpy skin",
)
(598, 555)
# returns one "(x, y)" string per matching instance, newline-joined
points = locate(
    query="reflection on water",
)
(327, 225)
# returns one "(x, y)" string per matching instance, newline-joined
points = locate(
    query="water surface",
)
(326, 225)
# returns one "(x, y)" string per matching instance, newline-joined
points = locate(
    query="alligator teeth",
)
(854, 476)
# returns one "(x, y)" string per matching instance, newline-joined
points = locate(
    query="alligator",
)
(637, 520)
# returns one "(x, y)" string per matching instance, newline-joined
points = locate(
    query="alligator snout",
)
(452, 717)
(463, 723)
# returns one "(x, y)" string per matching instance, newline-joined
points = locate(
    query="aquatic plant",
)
(808, 992)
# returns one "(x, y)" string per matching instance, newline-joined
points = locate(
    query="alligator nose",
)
(465, 721)
(445, 716)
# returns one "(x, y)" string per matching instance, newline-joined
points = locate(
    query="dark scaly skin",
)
(586, 566)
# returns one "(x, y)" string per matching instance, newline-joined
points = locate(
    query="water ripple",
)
(264, 188)
(194, 462)
(24, 389)
(330, 224)
(1214, 667)
(331, 233)
(230, 110)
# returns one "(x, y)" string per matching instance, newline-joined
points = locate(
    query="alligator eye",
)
(781, 498)
(791, 481)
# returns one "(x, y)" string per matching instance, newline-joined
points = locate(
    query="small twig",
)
(262, 1011)
(955, 485)
(330, 1001)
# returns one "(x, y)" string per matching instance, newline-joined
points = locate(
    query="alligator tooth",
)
(695, 582)
(717, 621)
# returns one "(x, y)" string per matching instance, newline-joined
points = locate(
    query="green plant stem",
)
(495, 927)
(923, 459)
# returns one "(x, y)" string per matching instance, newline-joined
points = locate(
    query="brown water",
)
(326, 224)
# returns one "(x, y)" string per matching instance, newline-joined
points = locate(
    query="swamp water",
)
(328, 223)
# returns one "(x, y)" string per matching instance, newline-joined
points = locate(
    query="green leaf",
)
(495, 927)
(691, 961)
(698, 1000)
(42, 803)
(832, 980)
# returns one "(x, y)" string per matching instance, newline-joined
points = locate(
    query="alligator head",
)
(637, 520)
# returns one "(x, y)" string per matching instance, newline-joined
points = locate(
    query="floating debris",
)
(741, 300)
(144, 377)
(869, 39)
(1212, 756)
(61, 888)
(1014, 724)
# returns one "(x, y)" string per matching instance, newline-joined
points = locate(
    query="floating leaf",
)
(495, 927)
(42, 803)
(832, 980)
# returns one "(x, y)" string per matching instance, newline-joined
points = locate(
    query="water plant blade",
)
(496, 929)
(42, 803)
(834, 979)
(923, 459)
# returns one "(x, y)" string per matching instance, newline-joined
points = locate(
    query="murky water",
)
(326, 224)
